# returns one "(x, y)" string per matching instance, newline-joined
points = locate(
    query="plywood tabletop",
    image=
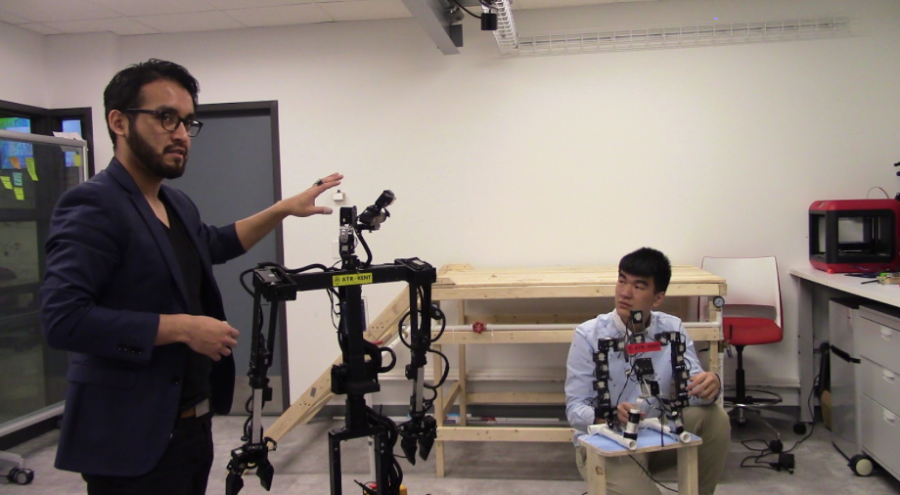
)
(561, 281)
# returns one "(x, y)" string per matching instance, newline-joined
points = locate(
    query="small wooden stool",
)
(599, 448)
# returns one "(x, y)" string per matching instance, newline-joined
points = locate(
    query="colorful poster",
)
(32, 170)
(14, 154)
(14, 149)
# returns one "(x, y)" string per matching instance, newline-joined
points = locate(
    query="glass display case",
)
(35, 171)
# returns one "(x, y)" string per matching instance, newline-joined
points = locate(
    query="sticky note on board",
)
(77, 159)
(15, 162)
(17, 179)
(20, 193)
(32, 170)
(6, 182)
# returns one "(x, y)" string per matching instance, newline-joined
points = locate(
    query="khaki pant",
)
(625, 477)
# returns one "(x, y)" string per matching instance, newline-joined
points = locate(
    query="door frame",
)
(269, 108)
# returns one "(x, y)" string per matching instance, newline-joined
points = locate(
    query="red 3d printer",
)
(854, 235)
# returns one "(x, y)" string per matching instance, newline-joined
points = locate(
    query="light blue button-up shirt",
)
(580, 394)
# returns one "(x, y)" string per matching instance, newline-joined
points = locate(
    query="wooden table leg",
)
(461, 349)
(596, 473)
(438, 415)
(715, 362)
(806, 335)
(463, 402)
(688, 477)
(439, 458)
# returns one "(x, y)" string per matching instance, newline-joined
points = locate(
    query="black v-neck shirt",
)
(196, 381)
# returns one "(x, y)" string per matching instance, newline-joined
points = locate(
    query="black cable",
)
(766, 451)
(757, 464)
(748, 447)
(385, 369)
(439, 316)
(332, 311)
(247, 433)
(395, 475)
(427, 403)
(431, 339)
(446, 368)
(400, 330)
(629, 376)
(812, 411)
(362, 241)
(630, 362)
(466, 10)
(649, 476)
(303, 268)
(261, 314)
(244, 284)
(443, 375)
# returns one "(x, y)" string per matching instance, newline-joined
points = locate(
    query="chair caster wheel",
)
(861, 465)
(20, 476)
(776, 446)
(800, 428)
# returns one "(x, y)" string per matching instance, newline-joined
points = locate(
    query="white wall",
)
(571, 160)
(22, 57)
(81, 66)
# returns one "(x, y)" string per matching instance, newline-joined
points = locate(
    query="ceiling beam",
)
(432, 16)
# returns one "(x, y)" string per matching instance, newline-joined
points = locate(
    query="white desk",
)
(811, 296)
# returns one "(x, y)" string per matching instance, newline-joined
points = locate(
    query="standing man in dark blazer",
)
(129, 291)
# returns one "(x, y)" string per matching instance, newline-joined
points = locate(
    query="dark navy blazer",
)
(111, 271)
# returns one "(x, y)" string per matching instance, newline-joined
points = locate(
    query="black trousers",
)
(183, 469)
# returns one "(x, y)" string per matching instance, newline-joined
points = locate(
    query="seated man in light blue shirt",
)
(643, 279)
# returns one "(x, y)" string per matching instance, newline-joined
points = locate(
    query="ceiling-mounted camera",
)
(488, 17)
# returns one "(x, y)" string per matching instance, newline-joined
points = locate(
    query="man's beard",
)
(151, 160)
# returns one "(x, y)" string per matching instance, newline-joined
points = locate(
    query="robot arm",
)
(638, 343)
(357, 374)
(604, 409)
(421, 430)
(678, 394)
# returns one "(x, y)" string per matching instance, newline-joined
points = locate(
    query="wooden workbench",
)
(457, 284)
(461, 283)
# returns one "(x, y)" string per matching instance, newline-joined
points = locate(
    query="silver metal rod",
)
(41, 139)
(33, 418)
(420, 388)
(256, 424)
(24, 137)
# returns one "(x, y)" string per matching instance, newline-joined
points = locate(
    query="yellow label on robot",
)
(354, 279)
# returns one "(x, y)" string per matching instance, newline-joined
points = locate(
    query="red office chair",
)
(751, 316)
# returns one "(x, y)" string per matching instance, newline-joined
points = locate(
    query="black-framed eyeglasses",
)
(170, 120)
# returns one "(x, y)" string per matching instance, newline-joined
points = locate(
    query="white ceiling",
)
(131, 17)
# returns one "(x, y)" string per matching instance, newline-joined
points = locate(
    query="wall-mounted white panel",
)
(570, 160)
